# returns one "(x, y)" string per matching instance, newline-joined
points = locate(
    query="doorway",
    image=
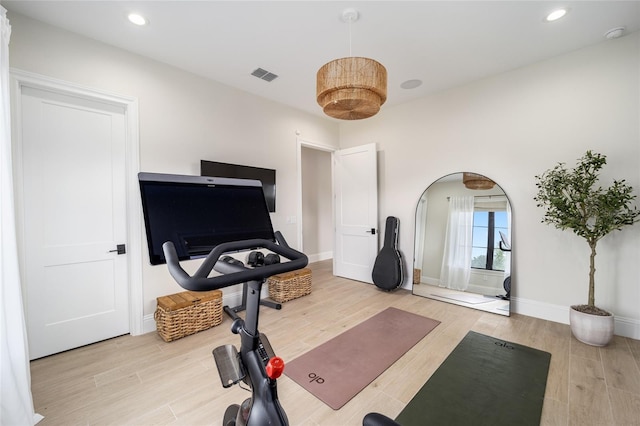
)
(317, 205)
(353, 202)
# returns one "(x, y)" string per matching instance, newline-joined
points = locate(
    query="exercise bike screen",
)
(198, 213)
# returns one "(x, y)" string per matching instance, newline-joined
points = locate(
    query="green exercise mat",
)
(484, 381)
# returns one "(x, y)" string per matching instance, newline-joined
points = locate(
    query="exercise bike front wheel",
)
(230, 415)
(237, 415)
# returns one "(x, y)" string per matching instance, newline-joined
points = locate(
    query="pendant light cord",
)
(350, 22)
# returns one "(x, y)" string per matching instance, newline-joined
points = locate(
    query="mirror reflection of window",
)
(470, 268)
(486, 252)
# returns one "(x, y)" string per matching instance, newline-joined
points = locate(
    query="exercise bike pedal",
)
(229, 366)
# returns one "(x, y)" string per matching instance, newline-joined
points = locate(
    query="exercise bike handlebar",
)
(200, 281)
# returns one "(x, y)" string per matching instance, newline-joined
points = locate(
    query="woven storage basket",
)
(416, 276)
(182, 314)
(290, 285)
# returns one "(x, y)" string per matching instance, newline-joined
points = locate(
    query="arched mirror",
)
(463, 243)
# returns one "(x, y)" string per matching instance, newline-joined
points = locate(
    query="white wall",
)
(511, 127)
(317, 205)
(183, 119)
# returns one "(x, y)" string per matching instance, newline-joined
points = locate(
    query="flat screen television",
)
(197, 213)
(266, 176)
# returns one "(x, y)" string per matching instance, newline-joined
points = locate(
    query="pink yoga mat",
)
(340, 368)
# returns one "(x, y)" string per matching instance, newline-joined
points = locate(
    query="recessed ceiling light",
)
(134, 18)
(411, 84)
(556, 14)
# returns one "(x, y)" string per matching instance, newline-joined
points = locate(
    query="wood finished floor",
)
(142, 380)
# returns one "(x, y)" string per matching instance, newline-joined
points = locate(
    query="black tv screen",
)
(266, 176)
(197, 213)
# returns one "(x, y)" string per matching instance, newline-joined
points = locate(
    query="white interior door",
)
(74, 213)
(356, 212)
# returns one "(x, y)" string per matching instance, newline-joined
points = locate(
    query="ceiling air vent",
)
(264, 74)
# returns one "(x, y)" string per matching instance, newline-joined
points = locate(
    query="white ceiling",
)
(443, 43)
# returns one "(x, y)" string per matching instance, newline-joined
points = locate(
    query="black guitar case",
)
(388, 270)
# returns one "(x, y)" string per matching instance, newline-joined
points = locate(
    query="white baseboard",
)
(627, 327)
(320, 256)
(148, 324)
(429, 280)
(546, 311)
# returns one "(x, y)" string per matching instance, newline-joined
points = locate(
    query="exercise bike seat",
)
(377, 419)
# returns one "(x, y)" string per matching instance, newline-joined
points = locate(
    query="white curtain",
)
(456, 262)
(15, 379)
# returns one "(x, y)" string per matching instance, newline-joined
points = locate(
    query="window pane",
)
(481, 233)
(480, 239)
(500, 219)
(479, 258)
(480, 218)
(480, 236)
(499, 260)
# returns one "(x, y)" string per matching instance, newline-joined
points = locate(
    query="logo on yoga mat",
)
(315, 378)
(504, 345)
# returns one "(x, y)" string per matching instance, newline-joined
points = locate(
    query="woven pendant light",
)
(351, 88)
(475, 181)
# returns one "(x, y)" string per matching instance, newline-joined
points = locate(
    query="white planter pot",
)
(593, 330)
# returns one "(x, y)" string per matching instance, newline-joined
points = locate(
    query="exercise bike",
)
(195, 217)
(256, 364)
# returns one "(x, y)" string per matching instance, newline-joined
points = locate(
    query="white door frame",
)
(21, 79)
(300, 143)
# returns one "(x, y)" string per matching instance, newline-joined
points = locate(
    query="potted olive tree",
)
(573, 200)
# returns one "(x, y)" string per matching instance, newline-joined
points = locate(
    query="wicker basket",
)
(416, 276)
(290, 285)
(182, 314)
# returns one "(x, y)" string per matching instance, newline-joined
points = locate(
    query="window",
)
(486, 253)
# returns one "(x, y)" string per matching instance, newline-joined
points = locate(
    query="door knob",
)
(120, 249)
